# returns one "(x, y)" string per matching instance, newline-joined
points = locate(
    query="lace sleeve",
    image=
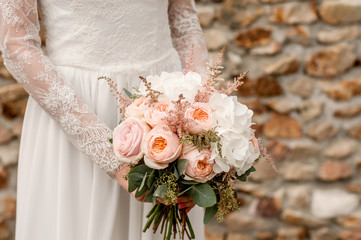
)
(20, 46)
(186, 31)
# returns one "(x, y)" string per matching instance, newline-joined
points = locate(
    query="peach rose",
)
(137, 108)
(156, 115)
(161, 146)
(202, 115)
(127, 140)
(199, 167)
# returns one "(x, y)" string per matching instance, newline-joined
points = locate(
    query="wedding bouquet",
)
(183, 135)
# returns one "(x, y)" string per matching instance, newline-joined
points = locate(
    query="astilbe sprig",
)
(123, 102)
(151, 93)
(175, 117)
(211, 82)
(264, 153)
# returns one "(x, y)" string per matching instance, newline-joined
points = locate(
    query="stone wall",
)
(304, 85)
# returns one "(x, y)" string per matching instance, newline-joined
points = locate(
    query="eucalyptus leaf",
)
(203, 195)
(144, 180)
(181, 165)
(140, 192)
(184, 191)
(142, 168)
(243, 177)
(160, 191)
(131, 186)
(210, 213)
(176, 174)
(149, 197)
(188, 182)
(136, 178)
(129, 94)
(151, 179)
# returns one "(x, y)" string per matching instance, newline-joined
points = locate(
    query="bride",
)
(69, 179)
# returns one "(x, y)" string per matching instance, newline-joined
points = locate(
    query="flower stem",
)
(170, 223)
(150, 220)
(152, 210)
(189, 224)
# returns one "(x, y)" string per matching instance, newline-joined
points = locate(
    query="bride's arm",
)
(186, 31)
(20, 46)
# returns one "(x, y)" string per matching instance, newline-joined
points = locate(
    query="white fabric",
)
(70, 114)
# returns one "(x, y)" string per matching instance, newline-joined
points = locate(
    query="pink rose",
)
(199, 167)
(161, 146)
(137, 108)
(201, 113)
(156, 115)
(127, 140)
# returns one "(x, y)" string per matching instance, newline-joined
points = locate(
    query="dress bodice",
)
(93, 33)
(100, 35)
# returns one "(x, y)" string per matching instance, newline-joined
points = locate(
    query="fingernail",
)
(180, 206)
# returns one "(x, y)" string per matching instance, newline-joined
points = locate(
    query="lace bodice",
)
(91, 34)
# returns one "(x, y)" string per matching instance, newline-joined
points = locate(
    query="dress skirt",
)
(63, 195)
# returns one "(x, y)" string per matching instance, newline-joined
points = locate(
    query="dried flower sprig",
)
(151, 93)
(265, 154)
(224, 185)
(175, 118)
(122, 101)
(233, 86)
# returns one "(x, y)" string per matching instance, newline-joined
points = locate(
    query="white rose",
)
(156, 84)
(237, 151)
(188, 85)
(229, 114)
(175, 83)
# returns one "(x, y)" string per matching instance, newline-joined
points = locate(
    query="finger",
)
(160, 200)
(184, 198)
(186, 205)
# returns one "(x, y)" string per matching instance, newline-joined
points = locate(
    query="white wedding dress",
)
(65, 186)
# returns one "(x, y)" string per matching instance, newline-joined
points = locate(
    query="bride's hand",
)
(119, 175)
(185, 202)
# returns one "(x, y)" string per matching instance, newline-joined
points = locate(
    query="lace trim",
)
(186, 31)
(20, 45)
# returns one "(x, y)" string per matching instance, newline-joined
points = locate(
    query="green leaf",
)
(129, 94)
(188, 182)
(144, 180)
(176, 174)
(244, 176)
(149, 197)
(183, 192)
(210, 213)
(160, 191)
(136, 178)
(140, 192)
(131, 186)
(181, 165)
(203, 195)
(142, 168)
(111, 140)
(151, 179)
(120, 121)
